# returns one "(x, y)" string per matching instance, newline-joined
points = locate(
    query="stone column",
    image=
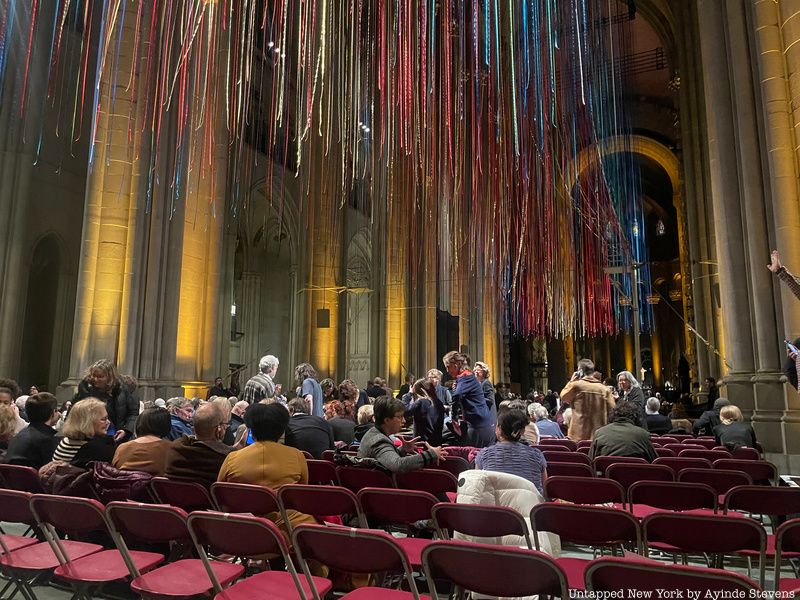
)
(249, 321)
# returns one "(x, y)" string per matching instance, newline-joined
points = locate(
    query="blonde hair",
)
(80, 420)
(729, 414)
(107, 367)
(365, 414)
(8, 422)
(483, 367)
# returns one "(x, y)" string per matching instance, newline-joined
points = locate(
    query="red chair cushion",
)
(275, 584)
(15, 542)
(107, 565)
(413, 548)
(40, 557)
(789, 585)
(376, 593)
(184, 578)
(575, 569)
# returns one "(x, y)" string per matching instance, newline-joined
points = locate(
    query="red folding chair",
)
(680, 436)
(433, 481)
(322, 472)
(628, 473)
(186, 495)
(479, 521)
(307, 454)
(132, 522)
(682, 533)
(319, 501)
(250, 537)
(617, 576)
(571, 445)
(720, 480)
(601, 463)
(586, 526)
(760, 471)
(22, 560)
(585, 450)
(664, 439)
(553, 448)
(710, 455)
(706, 442)
(24, 479)
(680, 446)
(584, 444)
(63, 515)
(494, 571)
(244, 498)
(579, 490)
(454, 464)
(665, 452)
(567, 457)
(787, 544)
(328, 455)
(569, 470)
(385, 508)
(677, 463)
(741, 453)
(647, 497)
(356, 478)
(355, 551)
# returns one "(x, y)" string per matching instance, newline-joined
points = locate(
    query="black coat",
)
(32, 447)
(122, 407)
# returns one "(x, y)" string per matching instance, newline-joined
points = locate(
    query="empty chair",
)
(646, 497)
(681, 436)
(613, 574)
(569, 470)
(24, 479)
(322, 472)
(585, 525)
(741, 453)
(628, 473)
(384, 507)
(710, 455)
(354, 551)
(186, 495)
(479, 521)
(80, 517)
(566, 442)
(247, 536)
(665, 452)
(244, 498)
(678, 463)
(494, 571)
(706, 442)
(567, 457)
(553, 447)
(787, 543)
(580, 491)
(677, 448)
(720, 480)
(601, 463)
(433, 481)
(356, 478)
(454, 464)
(319, 501)
(157, 524)
(760, 471)
(664, 439)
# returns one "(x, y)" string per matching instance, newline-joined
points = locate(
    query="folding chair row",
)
(453, 464)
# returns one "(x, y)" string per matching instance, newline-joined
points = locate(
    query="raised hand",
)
(775, 262)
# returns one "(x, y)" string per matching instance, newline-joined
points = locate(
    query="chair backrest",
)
(244, 536)
(15, 507)
(24, 479)
(383, 506)
(569, 470)
(664, 439)
(601, 463)
(187, 495)
(787, 539)
(571, 445)
(721, 480)
(704, 533)
(665, 452)
(454, 464)
(586, 525)
(552, 447)
(69, 514)
(151, 523)
(307, 454)
(351, 550)
(680, 436)
(478, 520)
(678, 463)
(758, 470)
(617, 574)
(711, 455)
(584, 444)
(328, 455)
(494, 571)
(707, 443)
(741, 453)
(319, 501)
(670, 495)
(244, 498)
(677, 448)
(628, 473)
(761, 500)
(322, 472)
(433, 481)
(579, 490)
(356, 478)
(568, 457)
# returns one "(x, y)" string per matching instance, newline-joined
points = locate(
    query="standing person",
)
(218, 389)
(307, 432)
(329, 390)
(631, 390)
(435, 375)
(377, 388)
(468, 395)
(482, 373)
(713, 391)
(427, 410)
(306, 379)
(591, 402)
(103, 382)
(406, 387)
(348, 390)
(34, 445)
(262, 384)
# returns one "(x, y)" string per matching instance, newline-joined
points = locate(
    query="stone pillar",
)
(249, 318)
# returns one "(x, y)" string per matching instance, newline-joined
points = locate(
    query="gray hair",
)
(483, 367)
(653, 404)
(540, 412)
(629, 376)
(177, 403)
(268, 364)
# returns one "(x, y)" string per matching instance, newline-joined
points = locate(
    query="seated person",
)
(306, 431)
(85, 438)
(709, 420)
(425, 407)
(509, 455)
(343, 426)
(546, 427)
(624, 436)
(732, 432)
(181, 411)
(389, 420)
(267, 462)
(148, 450)
(34, 445)
(366, 421)
(199, 457)
(237, 418)
(656, 422)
